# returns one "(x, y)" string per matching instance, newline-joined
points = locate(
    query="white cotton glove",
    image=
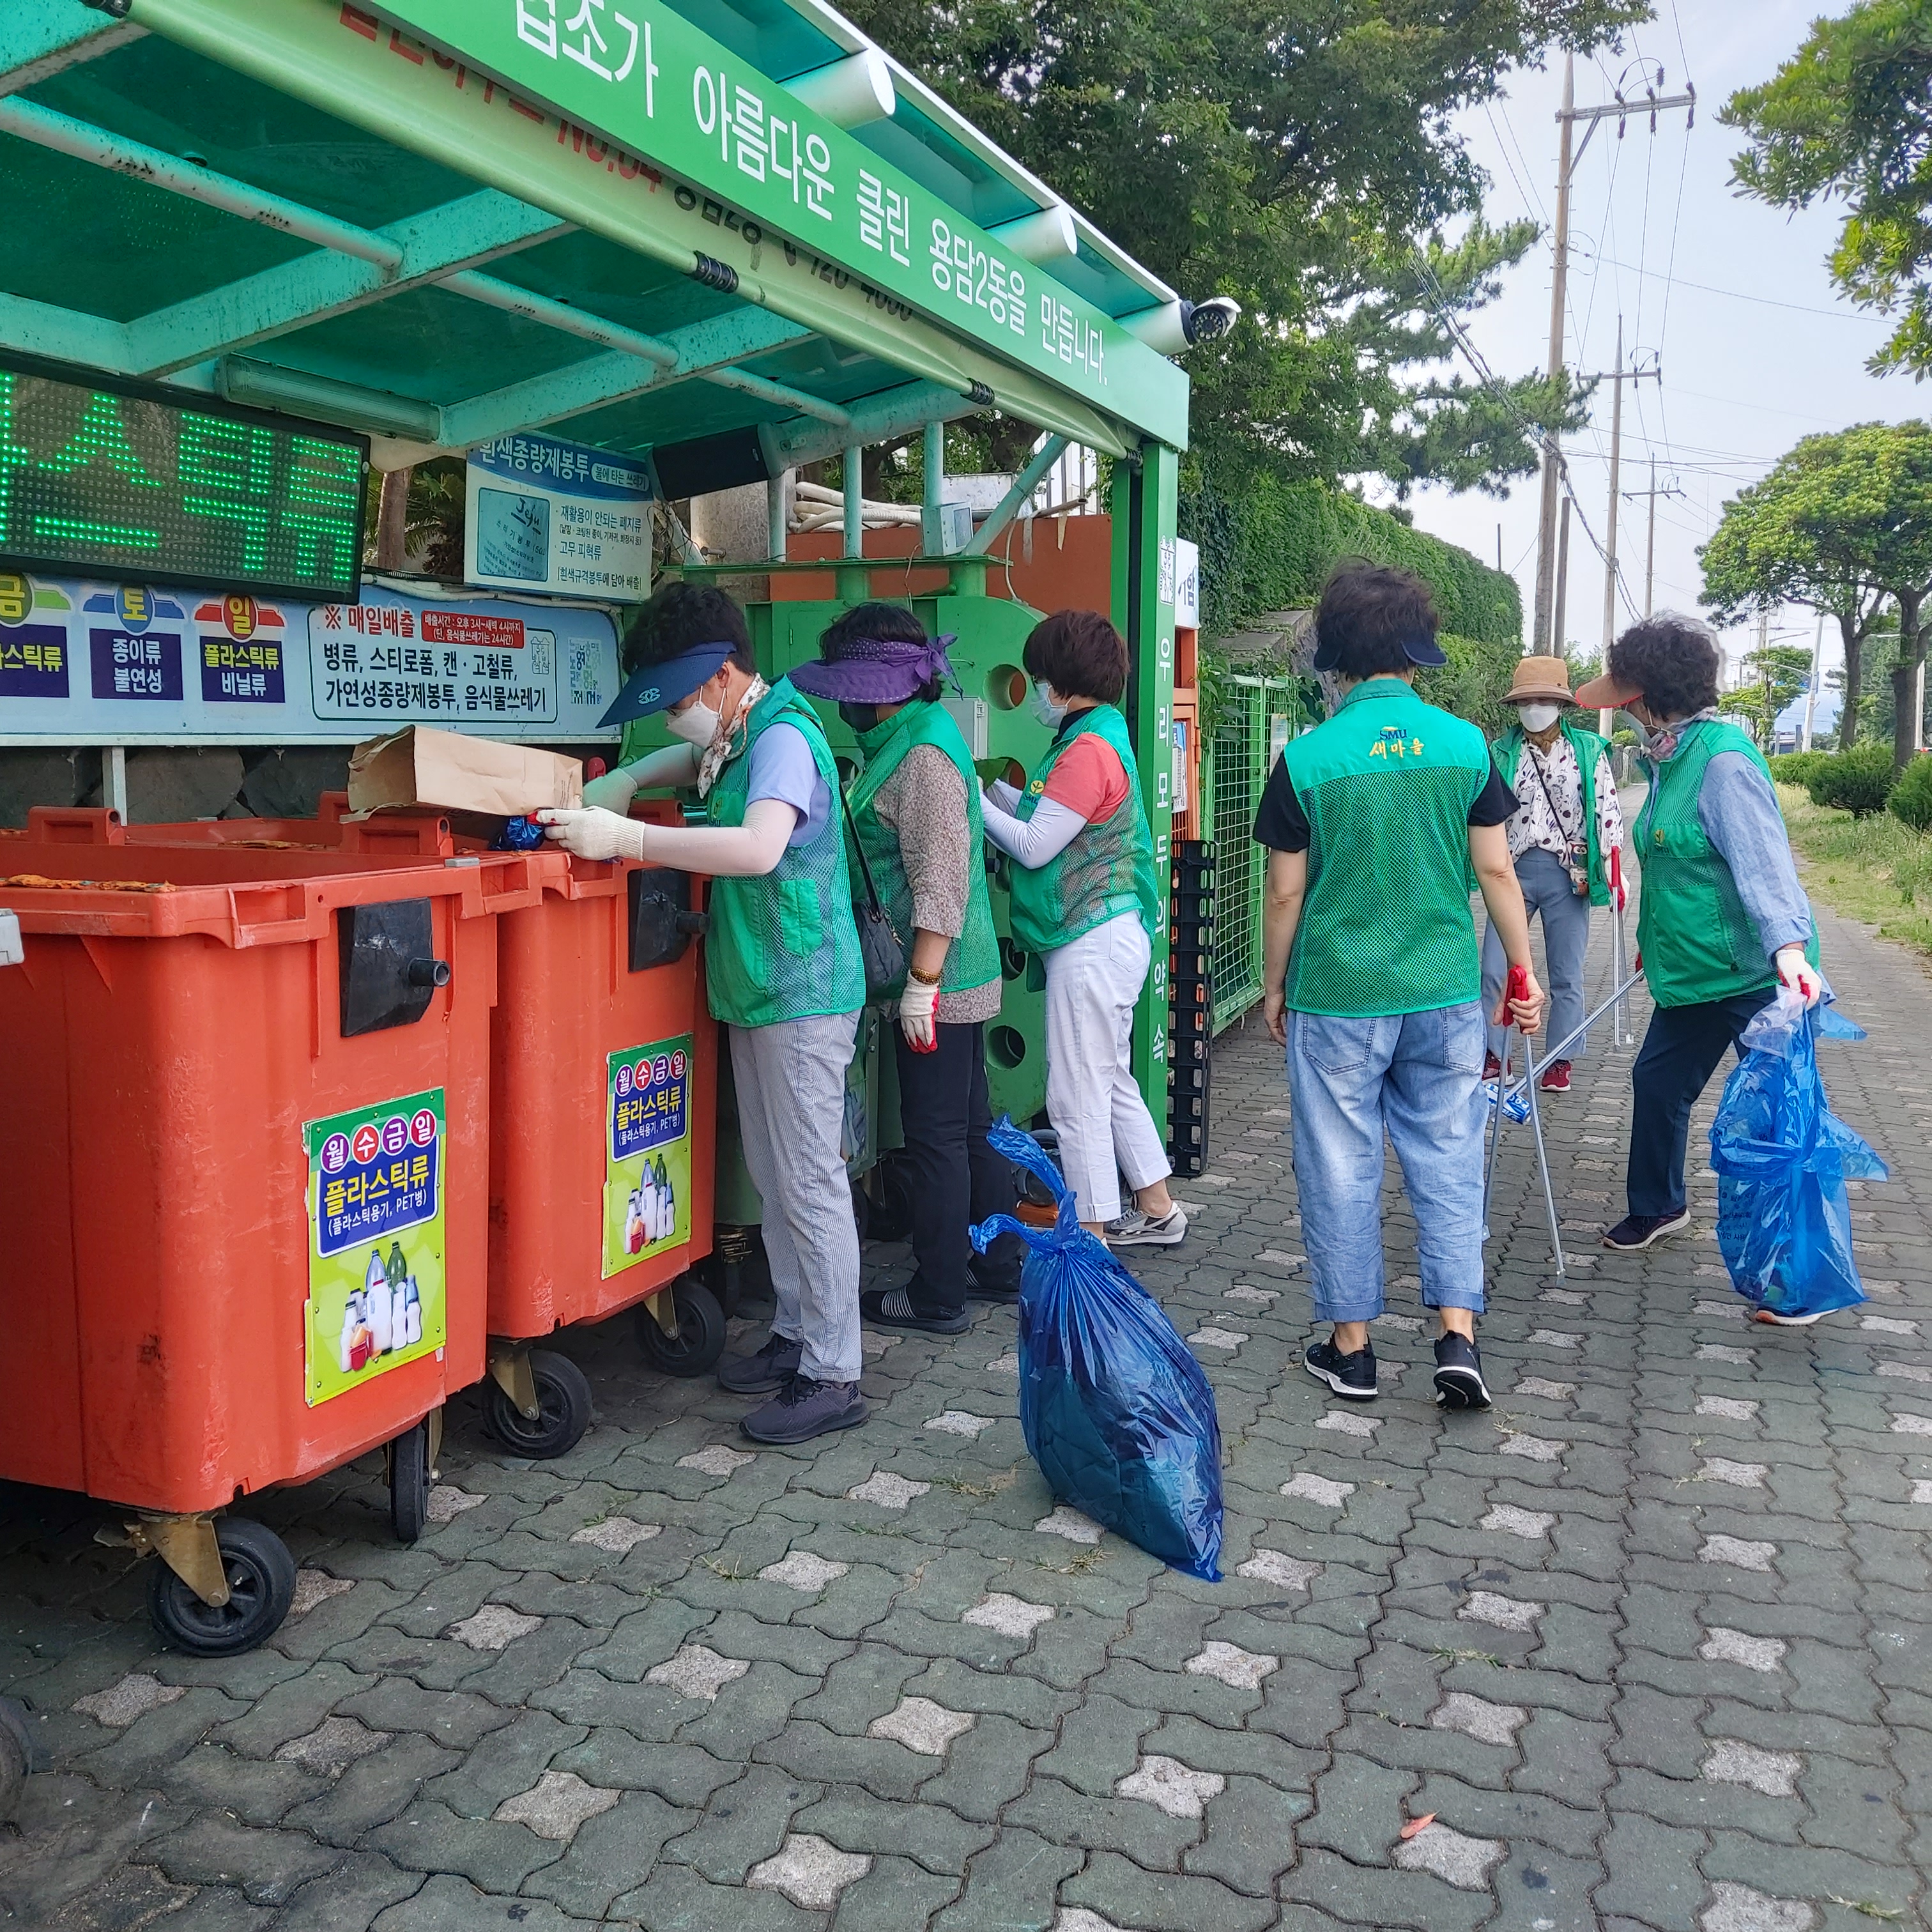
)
(612, 792)
(1797, 973)
(919, 1006)
(593, 833)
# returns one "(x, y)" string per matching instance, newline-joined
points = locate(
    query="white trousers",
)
(1093, 984)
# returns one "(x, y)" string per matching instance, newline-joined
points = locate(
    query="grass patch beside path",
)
(1875, 870)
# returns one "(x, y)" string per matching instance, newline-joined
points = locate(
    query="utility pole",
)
(1764, 678)
(1560, 634)
(1650, 554)
(1618, 109)
(1811, 683)
(1617, 378)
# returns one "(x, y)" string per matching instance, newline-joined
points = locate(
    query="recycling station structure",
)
(255, 247)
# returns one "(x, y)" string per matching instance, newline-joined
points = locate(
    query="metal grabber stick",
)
(1536, 1127)
(1622, 1032)
(1577, 1032)
(1496, 1126)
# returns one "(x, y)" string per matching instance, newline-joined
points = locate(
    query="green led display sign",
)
(130, 481)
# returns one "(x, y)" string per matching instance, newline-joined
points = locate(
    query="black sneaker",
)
(804, 1408)
(1458, 1374)
(1638, 1231)
(1351, 1377)
(892, 1308)
(771, 1368)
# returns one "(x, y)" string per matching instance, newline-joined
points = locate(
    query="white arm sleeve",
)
(1043, 837)
(1006, 796)
(747, 851)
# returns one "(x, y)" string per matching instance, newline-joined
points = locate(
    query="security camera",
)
(1202, 322)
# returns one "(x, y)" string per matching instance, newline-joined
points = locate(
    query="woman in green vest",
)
(915, 816)
(1722, 922)
(782, 968)
(1085, 902)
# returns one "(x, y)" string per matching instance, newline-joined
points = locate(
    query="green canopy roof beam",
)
(40, 38)
(62, 132)
(904, 411)
(30, 328)
(1024, 484)
(514, 301)
(475, 228)
(803, 400)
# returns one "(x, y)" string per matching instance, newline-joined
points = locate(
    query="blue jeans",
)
(1420, 1076)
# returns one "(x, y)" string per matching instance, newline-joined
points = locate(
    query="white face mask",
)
(1539, 717)
(696, 724)
(1048, 713)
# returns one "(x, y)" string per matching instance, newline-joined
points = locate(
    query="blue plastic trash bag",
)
(1115, 1408)
(1782, 1159)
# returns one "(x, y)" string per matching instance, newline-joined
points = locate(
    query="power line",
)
(1738, 294)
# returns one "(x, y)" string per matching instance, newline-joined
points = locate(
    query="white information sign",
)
(550, 516)
(1186, 585)
(92, 663)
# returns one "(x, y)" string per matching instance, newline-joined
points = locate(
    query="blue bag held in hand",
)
(1116, 1411)
(1782, 1159)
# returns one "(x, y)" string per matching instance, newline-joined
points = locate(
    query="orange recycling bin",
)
(245, 1121)
(603, 1095)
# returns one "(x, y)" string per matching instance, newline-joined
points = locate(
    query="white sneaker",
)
(1133, 1229)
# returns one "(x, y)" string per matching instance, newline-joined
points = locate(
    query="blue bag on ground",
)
(1116, 1410)
(1782, 1159)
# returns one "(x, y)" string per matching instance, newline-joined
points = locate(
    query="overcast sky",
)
(1756, 349)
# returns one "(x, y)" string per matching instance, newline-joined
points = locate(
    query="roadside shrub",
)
(1911, 798)
(1859, 781)
(1797, 768)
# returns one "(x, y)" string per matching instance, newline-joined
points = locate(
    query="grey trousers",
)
(1566, 936)
(791, 1079)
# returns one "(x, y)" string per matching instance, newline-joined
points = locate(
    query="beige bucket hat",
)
(1540, 681)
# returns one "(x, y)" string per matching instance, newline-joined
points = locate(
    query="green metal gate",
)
(1256, 717)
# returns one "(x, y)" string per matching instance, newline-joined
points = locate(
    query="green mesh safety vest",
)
(1588, 747)
(783, 947)
(1106, 870)
(973, 959)
(1698, 942)
(1386, 784)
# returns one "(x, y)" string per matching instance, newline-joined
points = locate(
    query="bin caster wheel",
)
(700, 1340)
(890, 1213)
(261, 1586)
(563, 1401)
(408, 1482)
(20, 1752)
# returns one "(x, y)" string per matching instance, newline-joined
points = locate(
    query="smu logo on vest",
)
(1394, 741)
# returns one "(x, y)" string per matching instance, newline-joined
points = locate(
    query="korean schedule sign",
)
(130, 479)
(548, 515)
(647, 1152)
(133, 664)
(375, 1241)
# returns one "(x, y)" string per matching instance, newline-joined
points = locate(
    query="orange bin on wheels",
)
(603, 1099)
(244, 1122)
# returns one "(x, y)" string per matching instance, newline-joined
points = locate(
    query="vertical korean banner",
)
(647, 1152)
(376, 1293)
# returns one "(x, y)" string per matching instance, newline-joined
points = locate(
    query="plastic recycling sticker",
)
(375, 1269)
(647, 1152)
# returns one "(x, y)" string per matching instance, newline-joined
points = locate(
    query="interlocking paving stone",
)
(1169, 1785)
(133, 1696)
(1605, 1663)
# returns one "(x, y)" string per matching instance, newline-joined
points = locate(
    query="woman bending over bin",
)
(915, 816)
(1085, 902)
(1371, 976)
(781, 967)
(1722, 921)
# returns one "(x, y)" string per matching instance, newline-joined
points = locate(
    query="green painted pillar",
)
(1144, 512)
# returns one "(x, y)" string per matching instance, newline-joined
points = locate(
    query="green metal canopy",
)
(738, 236)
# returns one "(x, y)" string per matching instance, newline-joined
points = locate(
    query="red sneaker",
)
(1555, 1077)
(1492, 1067)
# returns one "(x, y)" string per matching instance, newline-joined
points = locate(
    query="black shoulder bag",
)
(883, 956)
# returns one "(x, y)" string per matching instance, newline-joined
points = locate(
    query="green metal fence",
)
(1256, 718)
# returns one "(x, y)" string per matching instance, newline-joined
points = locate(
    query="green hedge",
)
(1797, 768)
(1859, 781)
(1268, 545)
(1911, 800)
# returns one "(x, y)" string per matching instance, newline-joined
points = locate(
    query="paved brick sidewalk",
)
(1651, 1641)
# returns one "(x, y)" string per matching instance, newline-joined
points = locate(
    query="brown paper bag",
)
(448, 771)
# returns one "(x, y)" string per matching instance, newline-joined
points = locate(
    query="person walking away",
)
(1371, 977)
(1722, 922)
(915, 816)
(1086, 903)
(782, 969)
(1567, 822)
